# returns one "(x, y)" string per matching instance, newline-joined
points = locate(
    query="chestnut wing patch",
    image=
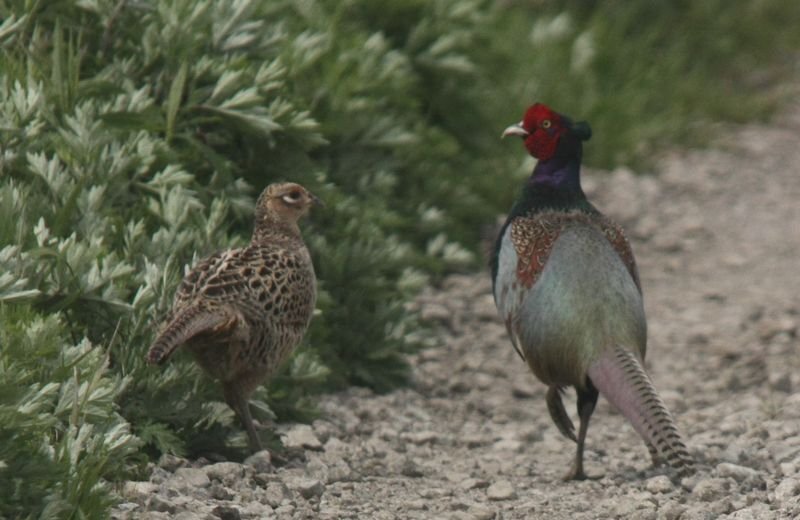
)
(533, 238)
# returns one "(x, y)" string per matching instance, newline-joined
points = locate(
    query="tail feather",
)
(185, 325)
(619, 377)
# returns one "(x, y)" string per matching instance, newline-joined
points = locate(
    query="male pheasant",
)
(565, 283)
(242, 311)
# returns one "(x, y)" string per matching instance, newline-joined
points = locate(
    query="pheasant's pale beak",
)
(316, 201)
(515, 130)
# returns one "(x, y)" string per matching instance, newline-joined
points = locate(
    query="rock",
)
(219, 492)
(136, 490)
(224, 471)
(275, 493)
(161, 504)
(261, 461)
(435, 312)
(473, 483)
(423, 437)
(301, 436)
(192, 477)
(710, 489)
(501, 490)
(308, 487)
(509, 445)
(411, 469)
(753, 512)
(480, 512)
(226, 513)
(171, 462)
(787, 489)
(659, 484)
(735, 471)
(670, 510)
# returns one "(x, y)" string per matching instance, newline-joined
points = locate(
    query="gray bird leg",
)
(587, 399)
(236, 400)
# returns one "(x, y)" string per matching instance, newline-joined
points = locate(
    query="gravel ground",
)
(717, 238)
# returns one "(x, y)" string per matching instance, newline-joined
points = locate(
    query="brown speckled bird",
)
(241, 312)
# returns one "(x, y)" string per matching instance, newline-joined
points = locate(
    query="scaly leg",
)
(238, 402)
(587, 399)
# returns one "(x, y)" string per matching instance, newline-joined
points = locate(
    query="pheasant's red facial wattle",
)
(545, 128)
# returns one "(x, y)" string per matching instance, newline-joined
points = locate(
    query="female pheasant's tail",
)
(619, 377)
(185, 325)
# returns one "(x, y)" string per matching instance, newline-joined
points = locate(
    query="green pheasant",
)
(566, 284)
(241, 312)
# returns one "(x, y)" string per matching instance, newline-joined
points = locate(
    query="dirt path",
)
(717, 238)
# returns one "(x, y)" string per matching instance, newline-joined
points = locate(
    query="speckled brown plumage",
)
(242, 311)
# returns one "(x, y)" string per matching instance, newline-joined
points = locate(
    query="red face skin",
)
(545, 128)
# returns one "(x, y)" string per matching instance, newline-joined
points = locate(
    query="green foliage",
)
(648, 75)
(134, 137)
(60, 430)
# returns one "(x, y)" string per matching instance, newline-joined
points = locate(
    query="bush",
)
(135, 136)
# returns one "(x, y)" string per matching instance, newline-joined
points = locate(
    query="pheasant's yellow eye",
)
(546, 124)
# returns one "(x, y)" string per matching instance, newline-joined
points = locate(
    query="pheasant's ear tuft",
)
(582, 130)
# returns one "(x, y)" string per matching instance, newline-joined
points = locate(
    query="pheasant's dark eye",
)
(546, 124)
(292, 197)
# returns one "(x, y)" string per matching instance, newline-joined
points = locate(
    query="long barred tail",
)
(185, 325)
(619, 377)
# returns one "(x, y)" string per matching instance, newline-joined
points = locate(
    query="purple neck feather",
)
(558, 172)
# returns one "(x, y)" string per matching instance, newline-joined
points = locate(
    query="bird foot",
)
(579, 474)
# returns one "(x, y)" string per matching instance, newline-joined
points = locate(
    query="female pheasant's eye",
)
(292, 197)
(546, 124)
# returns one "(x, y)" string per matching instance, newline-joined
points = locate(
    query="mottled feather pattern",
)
(533, 237)
(242, 311)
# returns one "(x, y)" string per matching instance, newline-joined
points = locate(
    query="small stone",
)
(788, 488)
(501, 490)
(509, 445)
(435, 312)
(301, 436)
(659, 484)
(671, 510)
(276, 493)
(308, 487)
(224, 471)
(171, 462)
(411, 469)
(226, 513)
(138, 489)
(192, 477)
(735, 471)
(480, 512)
(710, 489)
(417, 505)
(161, 504)
(261, 461)
(473, 483)
(423, 437)
(522, 390)
(219, 492)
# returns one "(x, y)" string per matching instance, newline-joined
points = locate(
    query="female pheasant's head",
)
(283, 204)
(543, 129)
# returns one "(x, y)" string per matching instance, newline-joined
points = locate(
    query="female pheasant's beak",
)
(316, 201)
(516, 129)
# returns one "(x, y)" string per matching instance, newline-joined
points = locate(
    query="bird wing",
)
(616, 236)
(188, 323)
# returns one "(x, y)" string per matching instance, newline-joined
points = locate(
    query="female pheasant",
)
(566, 285)
(242, 311)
